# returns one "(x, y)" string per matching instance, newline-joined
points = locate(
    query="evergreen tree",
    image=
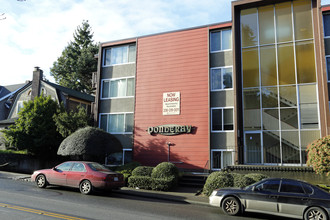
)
(74, 68)
(35, 129)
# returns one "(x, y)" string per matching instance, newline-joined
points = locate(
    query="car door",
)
(76, 174)
(58, 174)
(292, 198)
(263, 197)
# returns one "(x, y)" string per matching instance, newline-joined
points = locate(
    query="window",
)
(78, 167)
(119, 55)
(64, 166)
(20, 105)
(222, 119)
(220, 40)
(268, 186)
(221, 159)
(221, 78)
(121, 123)
(120, 158)
(118, 88)
(291, 187)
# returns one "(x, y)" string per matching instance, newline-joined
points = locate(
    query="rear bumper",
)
(105, 185)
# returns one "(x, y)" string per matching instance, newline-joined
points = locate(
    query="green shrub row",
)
(147, 182)
(162, 177)
(221, 179)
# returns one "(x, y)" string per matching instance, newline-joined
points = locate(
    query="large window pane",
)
(228, 118)
(116, 123)
(266, 25)
(227, 158)
(308, 107)
(302, 16)
(216, 79)
(250, 67)
(216, 159)
(227, 76)
(269, 97)
(272, 148)
(118, 88)
(129, 120)
(283, 22)
(107, 57)
(253, 147)
(249, 27)
(252, 115)
(105, 89)
(290, 147)
(305, 62)
(268, 70)
(131, 53)
(216, 119)
(103, 122)
(226, 39)
(270, 119)
(288, 96)
(326, 20)
(289, 118)
(286, 64)
(215, 38)
(130, 87)
(118, 55)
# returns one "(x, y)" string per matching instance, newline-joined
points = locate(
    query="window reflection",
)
(283, 22)
(250, 67)
(249, 27)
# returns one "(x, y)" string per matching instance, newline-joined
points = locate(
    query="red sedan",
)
(79, 174)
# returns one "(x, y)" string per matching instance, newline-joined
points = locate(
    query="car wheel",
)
(231, 206)
(315, 213)
(41, 181)
(85, 187)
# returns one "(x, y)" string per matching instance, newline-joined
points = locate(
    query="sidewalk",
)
(179, 194)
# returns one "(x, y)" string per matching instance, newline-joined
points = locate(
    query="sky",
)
(35, 32)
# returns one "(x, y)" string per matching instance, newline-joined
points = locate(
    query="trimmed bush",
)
(217, 180)
(241, 180)
(126, 169)
(162, 184)
(318, 155)
(142, 171)
(256, 176)
(165, 170)
(141, 182)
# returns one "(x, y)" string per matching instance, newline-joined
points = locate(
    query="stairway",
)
(194, 180)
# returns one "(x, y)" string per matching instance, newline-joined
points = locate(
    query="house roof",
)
(71, 92)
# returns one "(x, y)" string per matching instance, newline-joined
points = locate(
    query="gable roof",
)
(71, 92)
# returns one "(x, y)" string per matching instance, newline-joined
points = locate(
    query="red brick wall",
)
(173, 62)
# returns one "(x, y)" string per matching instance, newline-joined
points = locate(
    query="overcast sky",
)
(35, 32)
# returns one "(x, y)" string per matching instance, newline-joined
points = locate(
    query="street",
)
(21, 200)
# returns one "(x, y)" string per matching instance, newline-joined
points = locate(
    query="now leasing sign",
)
(171, 103)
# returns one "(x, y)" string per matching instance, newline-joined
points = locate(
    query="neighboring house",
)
(12, 97)
(250, 91)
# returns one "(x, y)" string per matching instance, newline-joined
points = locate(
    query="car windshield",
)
(98, 167)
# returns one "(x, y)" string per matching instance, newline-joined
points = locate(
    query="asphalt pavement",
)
(189, 195)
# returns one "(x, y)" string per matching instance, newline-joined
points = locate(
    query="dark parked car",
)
(275, 196)
(79, 174)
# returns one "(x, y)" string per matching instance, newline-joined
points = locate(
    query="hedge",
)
(217, 180)
(241, 180)
(141, 182)
(142, 171)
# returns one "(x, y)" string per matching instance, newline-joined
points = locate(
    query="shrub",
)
(241, 180)
(318, 155)
(162, 184)
(141, 182)
(126, 169)
(165, 170)
(217, 180)
(256, 176)
(142, 171)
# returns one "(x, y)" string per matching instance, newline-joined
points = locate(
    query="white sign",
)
(171, 103)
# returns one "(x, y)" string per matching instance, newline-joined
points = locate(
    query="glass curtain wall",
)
(280, 100)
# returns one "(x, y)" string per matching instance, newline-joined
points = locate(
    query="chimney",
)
(37, 76)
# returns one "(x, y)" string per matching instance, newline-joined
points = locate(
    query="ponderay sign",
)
(170, 129)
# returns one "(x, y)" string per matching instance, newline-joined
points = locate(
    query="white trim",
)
(221, 80)
(220, 31)
(109, 88)
(221, 160)
(110, 48)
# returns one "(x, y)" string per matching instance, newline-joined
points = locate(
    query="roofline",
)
(134, 39)
(12, 93)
